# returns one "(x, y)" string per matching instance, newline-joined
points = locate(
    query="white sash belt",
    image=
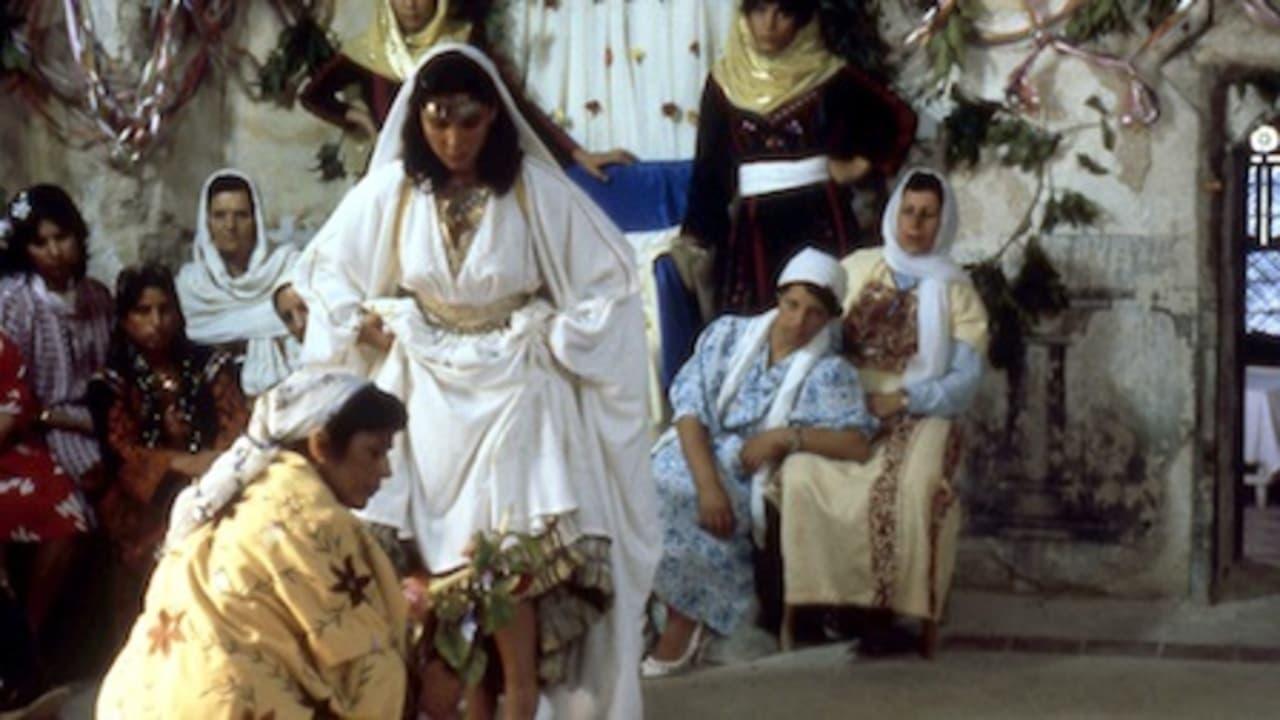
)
(770, 176)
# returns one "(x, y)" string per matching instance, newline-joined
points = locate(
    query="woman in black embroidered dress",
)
(785, 129)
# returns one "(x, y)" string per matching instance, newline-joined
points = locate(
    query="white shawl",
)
(753, 341)
(936, 271)
(289, 412)
(220, 308)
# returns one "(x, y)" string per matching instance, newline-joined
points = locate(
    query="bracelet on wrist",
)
(797, 441)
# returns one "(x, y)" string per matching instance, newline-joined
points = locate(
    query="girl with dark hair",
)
(270, 598)
(164, 408)
(470, 277)
(786, 129)
(56, 322)
(454, 90)
(59, 319)
(384, 56)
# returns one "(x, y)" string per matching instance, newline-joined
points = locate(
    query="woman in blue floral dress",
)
(757, 389)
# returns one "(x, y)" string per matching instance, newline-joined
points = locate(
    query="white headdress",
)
(220, 308)
(936, 271)
(289, 412)
(815, 267)
(390, 145)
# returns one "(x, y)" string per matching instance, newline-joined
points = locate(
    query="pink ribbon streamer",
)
(1262, 11)
(1140, 103)
(130, 116)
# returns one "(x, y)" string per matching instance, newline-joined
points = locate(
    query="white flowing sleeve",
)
(597, 335)
(351, 259)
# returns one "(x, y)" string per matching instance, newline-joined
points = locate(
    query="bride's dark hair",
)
(453, 73)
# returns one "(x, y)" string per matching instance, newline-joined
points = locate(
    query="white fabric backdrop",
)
(1262, 426)
(619, 73)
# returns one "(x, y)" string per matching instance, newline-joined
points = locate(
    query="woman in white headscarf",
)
(468, 276)
(757, 389)
(881, 535)
(271, 599)
(226, 289)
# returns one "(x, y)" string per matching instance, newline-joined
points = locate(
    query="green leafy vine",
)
(976, 127)
(852, 31)
(481, 599)
(301, 48)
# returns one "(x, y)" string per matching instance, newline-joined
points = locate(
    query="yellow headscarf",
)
(762, 83)
(384, 49)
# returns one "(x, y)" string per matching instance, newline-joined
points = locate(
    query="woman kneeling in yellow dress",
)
(271, 599)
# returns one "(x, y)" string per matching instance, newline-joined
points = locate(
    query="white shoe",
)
(653, 667)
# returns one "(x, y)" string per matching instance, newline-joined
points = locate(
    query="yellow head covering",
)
(762, 83)
(384, 49)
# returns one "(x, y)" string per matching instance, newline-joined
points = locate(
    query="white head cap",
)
(816, 268)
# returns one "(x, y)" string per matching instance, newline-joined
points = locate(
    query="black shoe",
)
(885, 642)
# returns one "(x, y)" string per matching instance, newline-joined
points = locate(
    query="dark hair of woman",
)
(229, 183)
(822, 294)
(924, 182)
(197, 364)
(368, 410)
(137, 279)
(802, 11)
(44, 202)
(455, 74)
(474, 11)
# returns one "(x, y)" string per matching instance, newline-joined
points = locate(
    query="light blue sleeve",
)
(832, 398)
(951, 394)
(696, 387)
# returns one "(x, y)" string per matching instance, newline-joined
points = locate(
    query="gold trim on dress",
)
(468, 319)
(461, 210)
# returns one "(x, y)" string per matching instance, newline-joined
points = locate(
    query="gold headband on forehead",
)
(454, 107)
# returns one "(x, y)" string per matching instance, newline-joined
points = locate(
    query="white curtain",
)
(618, 73)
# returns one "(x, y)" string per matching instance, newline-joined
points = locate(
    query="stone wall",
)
(148, 211)
(1091, 476)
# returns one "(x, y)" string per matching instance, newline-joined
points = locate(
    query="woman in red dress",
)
(40, 504)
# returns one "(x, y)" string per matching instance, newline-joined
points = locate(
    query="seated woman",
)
(785, 129)
(165, 407)
(756, 390)
(59, 319)
(226, 289)
(882, 534)
(40, 505)
(270, 598)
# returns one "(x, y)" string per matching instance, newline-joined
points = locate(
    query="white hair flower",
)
(21, 207)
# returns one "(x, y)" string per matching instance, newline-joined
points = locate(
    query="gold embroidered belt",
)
(468, 318)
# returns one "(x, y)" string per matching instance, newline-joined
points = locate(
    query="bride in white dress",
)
(468, 276)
